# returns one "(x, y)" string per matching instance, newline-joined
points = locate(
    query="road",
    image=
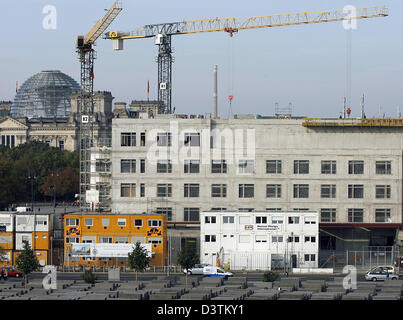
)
(129, 276)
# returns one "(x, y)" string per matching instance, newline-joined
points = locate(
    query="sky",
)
(305, 65)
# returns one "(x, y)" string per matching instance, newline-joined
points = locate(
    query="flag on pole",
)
(148, 89)
(16, 87)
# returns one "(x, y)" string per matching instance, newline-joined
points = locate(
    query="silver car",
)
(197, 269)
(380, 274)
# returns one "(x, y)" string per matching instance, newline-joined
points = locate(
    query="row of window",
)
(121, 222)
(248, 166)
(192, 190)
(327, 215)
(109, 239)
(245, 220)
(262, 238)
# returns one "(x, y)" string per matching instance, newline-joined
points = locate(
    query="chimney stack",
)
(215, 92)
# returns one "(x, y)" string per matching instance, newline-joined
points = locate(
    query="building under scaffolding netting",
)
(46, 94)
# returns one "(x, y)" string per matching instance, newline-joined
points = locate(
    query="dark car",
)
(11, 272)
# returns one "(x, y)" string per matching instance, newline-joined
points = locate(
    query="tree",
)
(66, 181)
(138, 259)
(187, 259)
(27, 262)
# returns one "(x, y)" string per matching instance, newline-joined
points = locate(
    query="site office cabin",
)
(115, 229)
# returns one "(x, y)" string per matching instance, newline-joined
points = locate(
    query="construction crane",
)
(86, 55)
(162, 33)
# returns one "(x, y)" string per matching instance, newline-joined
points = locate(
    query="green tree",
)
(138, 259)
(187, 259)
(27, 262)
(89, 276)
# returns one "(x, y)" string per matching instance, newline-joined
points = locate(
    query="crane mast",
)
(163, 32)
(86, 56)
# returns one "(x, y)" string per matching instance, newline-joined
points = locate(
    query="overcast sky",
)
(304, 65)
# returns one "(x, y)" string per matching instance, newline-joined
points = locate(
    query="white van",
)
(24, 209)
(216, 272)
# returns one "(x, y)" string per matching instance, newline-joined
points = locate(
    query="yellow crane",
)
(86, 55)
(162, 33)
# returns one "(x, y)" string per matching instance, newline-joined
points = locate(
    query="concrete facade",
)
(351, 175)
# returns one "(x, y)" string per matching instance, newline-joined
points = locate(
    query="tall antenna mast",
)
(215, 94)
(362, 107)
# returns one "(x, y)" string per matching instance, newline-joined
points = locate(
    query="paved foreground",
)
(199, 288)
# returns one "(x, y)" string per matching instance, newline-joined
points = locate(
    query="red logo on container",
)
(248, 227)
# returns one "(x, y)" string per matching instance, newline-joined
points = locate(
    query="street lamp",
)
(54, 175)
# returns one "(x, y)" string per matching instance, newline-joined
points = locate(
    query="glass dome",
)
(46, 94)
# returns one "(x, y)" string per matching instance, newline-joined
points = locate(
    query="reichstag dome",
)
(44, 95)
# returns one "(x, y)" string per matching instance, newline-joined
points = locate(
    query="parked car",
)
(390, 269)
(197, 269)
(381, 274)
(11, 272)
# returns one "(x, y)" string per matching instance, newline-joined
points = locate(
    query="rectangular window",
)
(121, 239)
(154, 222)
(218, 190)
(277, 239)
(301, 191)
(128, 166)
(71, 240)
(191, 214)
(355, 191)
(71, 222)
(191, 190)
(210, 238)
(128, 190)
(192, 139)
(191, 166)
(383, 167)
(328, 191)
(164, 166)
(328, 167)
(310, 239)
(164, 139)
(246, 191)
(103, 239)
(273, 190)
(218, 166)
(164, 190)
(261, 238)
(105, 222)
(382, 215)
(142, 190)
(128, 139)
(293, 239)
(102, 165)
(142, 139)
(246, 166)
(61, 145)
(261, 220)
(218, 209)
(155, 240)
(228, 219)
(382, 192)
(88, 222)
(166, 211)
(41, 221)
(328, 215)
(301, 166)
(355, 215)
(138, 222)
(356, 167)
(246, 209)
(310, 220)
(309, 257)
(122, 222)
(142, 166)
(273, 166)
(210, 219)
(273, 209)
(293, 220)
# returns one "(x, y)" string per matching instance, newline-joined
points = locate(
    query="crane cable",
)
(230, 74)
